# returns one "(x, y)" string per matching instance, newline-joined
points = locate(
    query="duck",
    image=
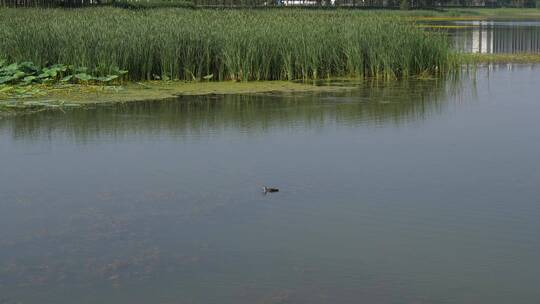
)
(269, 189)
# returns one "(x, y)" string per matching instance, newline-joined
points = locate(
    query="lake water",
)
(494, 36)
(410, 192)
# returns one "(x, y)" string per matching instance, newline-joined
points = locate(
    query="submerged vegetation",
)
(222, 44)
(39, 97)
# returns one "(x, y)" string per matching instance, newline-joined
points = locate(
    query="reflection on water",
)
(412, 192)
(373, 103)
(496, 36)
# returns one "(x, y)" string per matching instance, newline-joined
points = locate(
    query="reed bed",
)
(223, 44)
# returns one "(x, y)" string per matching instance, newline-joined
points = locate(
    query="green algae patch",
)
(474, 14)
(41, 97)
(450, 18)
(441, 26)
(475, 59)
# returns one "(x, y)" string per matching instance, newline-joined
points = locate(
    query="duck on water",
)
(269, 189)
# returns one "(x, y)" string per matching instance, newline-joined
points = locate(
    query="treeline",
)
(403, 4)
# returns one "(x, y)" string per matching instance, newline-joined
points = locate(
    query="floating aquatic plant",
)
(27, 73)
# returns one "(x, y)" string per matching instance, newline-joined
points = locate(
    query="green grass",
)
(238, 45)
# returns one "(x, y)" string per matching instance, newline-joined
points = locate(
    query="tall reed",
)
(223, 44)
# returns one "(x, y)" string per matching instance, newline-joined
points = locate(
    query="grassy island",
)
(107, 54)
(237, 45)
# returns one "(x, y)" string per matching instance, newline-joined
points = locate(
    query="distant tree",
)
(404, 5)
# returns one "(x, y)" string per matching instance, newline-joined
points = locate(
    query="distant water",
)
(414, 192)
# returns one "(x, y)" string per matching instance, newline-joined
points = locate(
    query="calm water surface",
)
(414, 192)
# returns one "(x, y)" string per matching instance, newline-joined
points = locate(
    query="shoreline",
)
(42, 97)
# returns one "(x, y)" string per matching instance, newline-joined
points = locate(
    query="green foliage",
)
(26, 73)
(404, 5)
(227, 44)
